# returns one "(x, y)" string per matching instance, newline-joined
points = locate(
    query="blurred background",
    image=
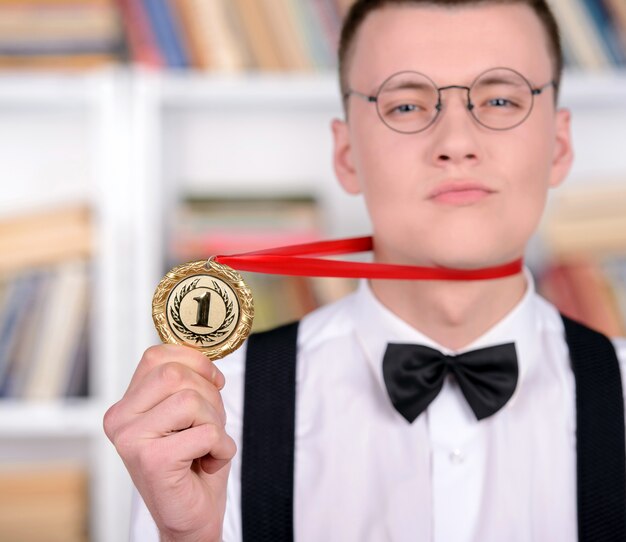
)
(139, 134)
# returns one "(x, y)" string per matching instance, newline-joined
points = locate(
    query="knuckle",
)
(153, 355)
(189, 400)
(172, 374)
(212, 432)
(232, 445)
(110, 421)
(217, 377)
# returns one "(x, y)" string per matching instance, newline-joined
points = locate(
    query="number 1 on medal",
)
(204, 305)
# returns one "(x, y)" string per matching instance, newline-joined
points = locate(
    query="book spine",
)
(166, 37)
(617, 12)
(606, 30)
(139, 33)
(580, 34)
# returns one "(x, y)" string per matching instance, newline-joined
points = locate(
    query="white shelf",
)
(249, 91)
(62, 141)
(604, 90)
(70, 418)
(133, 142)
(50, 89)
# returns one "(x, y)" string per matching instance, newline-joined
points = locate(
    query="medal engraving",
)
(204, 305)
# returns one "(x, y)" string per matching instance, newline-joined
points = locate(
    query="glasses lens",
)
(501, 99)
(407, 102)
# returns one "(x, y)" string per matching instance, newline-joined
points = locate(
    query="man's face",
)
(399, 174)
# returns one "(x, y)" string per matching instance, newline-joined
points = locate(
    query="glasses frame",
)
(534, 91)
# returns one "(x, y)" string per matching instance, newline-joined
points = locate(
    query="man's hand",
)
(169, 430)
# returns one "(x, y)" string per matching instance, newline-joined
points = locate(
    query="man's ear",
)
(563, 152)
(342, 157)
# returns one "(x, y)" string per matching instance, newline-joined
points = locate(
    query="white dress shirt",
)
(364, 474)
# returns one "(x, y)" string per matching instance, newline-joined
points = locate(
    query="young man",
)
(454, 175)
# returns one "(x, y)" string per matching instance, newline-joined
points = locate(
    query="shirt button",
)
(457, 456)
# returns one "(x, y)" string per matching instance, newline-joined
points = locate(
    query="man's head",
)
(362, 8)
(456, 194)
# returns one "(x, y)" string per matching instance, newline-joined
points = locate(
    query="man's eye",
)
(501, 102)
(407, 108)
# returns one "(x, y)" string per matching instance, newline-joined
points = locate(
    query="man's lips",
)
(460, 192)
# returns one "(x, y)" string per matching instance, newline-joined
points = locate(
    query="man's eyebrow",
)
(498, 80)
(401, 85)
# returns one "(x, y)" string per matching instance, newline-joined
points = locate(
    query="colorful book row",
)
(237, 35)
(234, 35)
(240, 35)
(59, 33)
(593, 32)
(44, 332)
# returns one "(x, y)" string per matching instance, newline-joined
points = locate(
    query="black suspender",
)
(268, 436)
(269, 423)
(601, 460)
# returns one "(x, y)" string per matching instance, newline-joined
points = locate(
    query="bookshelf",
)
(63, 143)
(216, 136)
(135, 141)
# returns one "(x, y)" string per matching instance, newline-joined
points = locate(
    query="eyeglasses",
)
(409, 102)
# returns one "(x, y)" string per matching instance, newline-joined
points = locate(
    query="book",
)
(139, 34)
(581, 290)
(617, 11)
(54, 3)
(260, 35)
(235, 35)
(44, 310)
(187, 13)
(24, 344)
(209, 27)
(597, 300)
(211, 226)
(607, 30)
(59, 336)
(167, 32)
(59, 35)
(60, 22)
(586, 221)
(580, 33)
(43, 502)
(77, 384)
(73, 62)
(45, 237)
(17, 303)
(326, 32)
(288, 40)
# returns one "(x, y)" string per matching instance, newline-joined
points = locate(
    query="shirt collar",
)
(376, 326)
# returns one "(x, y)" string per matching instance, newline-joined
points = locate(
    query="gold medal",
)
(204, 305)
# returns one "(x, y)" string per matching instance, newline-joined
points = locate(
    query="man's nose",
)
(455, 133)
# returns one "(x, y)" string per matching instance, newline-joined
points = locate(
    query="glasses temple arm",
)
(539, 90)
(348, 93)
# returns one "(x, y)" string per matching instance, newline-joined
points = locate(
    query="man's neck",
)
(452, 313)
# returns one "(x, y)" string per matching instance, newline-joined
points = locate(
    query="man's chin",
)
(471, 260)
(464, 254)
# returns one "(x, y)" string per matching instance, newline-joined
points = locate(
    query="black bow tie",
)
(414, 375)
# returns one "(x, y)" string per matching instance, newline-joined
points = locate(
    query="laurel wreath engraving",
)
(190, 335)
(163, 298)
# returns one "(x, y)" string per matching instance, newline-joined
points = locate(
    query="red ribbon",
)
(290, 260)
